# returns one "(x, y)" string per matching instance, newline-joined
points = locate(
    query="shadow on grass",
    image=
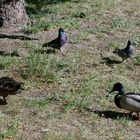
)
(21, 37)
(2, 102)
(108, 61)
(47, 51)
(14, 53)
(35, 7)
(111, 114)
(41, 2)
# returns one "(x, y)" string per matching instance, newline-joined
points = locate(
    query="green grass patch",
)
(35, 104)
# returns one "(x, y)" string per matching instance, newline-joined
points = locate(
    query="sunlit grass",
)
(68, 96)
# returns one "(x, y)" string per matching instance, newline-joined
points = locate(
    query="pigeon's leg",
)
(123, 60)
(67, 51)
(130, 114)
(61, 50)
(138, 116)
(4, 99)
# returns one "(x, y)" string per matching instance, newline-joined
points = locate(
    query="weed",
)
(118, 23)
(33, 104)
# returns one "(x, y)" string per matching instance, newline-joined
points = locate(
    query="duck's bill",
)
(20, 90)
(111, 91)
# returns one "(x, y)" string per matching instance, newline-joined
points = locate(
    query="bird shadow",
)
(2, 102)
(112, 114)
(48, 51)
(21, 37)
(109, 61)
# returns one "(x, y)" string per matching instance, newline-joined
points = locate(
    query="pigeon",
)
(59, 42)
(2, 19)
(126, 52)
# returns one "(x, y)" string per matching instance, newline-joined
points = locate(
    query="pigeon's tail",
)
(45, 45)
(49, 44)
(116, 51)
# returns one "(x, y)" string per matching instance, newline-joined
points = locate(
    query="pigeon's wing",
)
(54, 43)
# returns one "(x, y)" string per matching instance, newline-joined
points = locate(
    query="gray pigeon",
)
(2, 19)
(59, 42)
(126, 52)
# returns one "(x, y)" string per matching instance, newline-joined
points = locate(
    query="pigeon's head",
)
(129, 48)
(129, 43)
(61, 32)
(62, 36)
(118, 87)
(2, 18)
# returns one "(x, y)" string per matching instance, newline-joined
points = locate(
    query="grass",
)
(67, 95)
(8, 61)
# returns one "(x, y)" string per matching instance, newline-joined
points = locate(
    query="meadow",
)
(67, 97)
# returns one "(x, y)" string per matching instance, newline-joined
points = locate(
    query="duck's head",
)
(118, 87)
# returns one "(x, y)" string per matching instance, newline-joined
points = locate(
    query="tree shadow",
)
(21, 37)
(2, 102)
(12, 54)
(41, 2)
(35, 7)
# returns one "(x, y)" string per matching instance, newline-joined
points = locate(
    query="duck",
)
(8, 86)
(127, 52)
(129, 101)
(59, 42)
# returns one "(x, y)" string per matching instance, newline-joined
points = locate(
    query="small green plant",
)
(80, 97)
(8, 61)
(38, 26)
(33, 103)
(11, 130)
(39, 65)
(119, 23)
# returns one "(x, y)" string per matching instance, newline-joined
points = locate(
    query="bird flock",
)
(128, 101)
